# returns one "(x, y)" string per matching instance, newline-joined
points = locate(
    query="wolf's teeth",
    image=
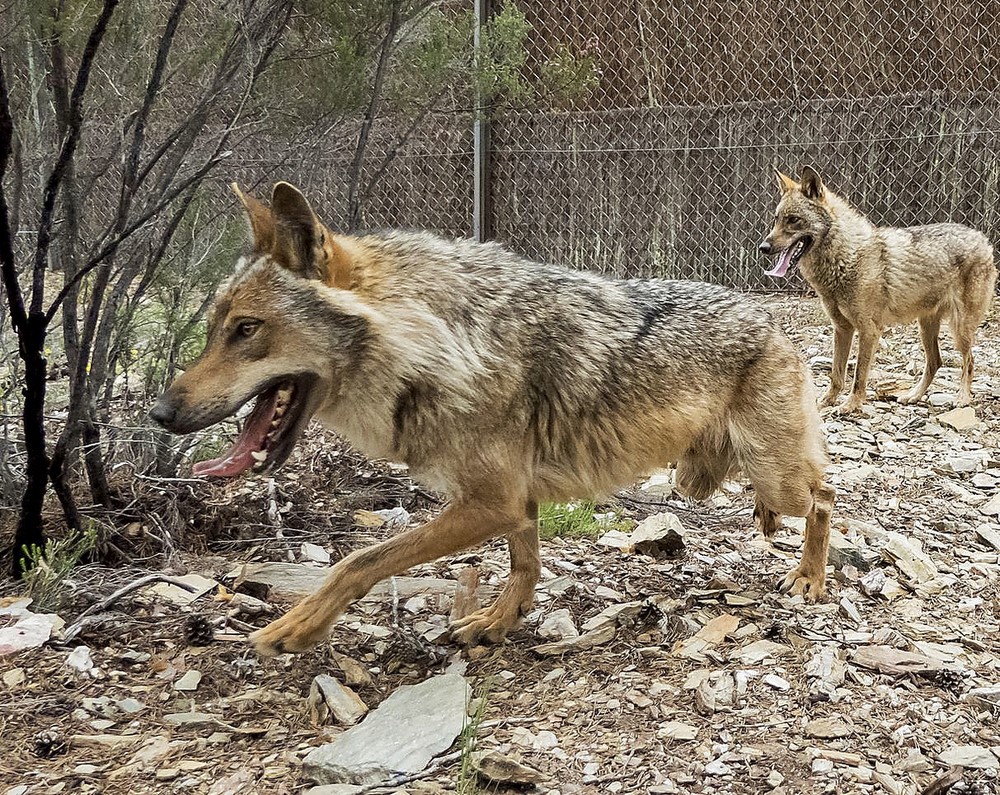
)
(260, 456)
(279, 410)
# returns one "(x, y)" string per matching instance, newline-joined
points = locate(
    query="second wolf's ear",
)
(259, 220)
(785, 182)
(812, 185)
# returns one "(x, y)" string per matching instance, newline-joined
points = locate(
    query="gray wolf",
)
(870, 277)
(501, 382)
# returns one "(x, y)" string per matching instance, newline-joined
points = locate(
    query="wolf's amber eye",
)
(247, 328)
(793, 220)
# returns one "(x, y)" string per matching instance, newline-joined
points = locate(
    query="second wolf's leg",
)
(462, 524)
(930, 327)
(964, 333)
(867, 343)
(843, 336)
(492, 623)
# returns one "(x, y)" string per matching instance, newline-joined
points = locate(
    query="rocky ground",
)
(685, 673)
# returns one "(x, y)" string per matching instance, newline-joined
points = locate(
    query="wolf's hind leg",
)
(462, 524)
(930, 327)
(492, 623)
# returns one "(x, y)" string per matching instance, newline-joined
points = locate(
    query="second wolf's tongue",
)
(239, 458)
(781, 266)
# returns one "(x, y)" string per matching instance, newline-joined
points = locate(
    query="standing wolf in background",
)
(870, 277)
(501, 382)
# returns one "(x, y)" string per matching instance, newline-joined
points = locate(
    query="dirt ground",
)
(790, 698)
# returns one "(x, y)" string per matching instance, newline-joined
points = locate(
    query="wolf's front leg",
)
(867, 344)
(843, 336)
(808, 579)
(462, 524)
(492, 623)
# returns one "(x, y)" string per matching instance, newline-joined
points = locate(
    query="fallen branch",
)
(89, 616)
(941, 785)
(406, 778)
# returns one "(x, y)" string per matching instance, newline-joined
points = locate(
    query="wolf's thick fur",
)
(871, 277)
(504, 383)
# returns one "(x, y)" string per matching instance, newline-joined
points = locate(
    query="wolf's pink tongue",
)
(781, 267)
(239, 458)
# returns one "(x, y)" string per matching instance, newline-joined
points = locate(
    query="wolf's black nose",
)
(163, 413)
(765, 247)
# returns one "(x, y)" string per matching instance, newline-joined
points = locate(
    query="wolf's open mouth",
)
(790, 256)
(269, 432)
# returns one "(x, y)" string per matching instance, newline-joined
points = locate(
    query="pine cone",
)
(948, 679)
(48, 744)
(775, 631)
(198, 631)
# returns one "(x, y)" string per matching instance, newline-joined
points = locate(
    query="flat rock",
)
(587, 640)
(181, 596)
(659, 536)
(908, 556)
(558, 625)
(709, 636)
(189, 681)
(675, 730)
(327, 697)
(960, 419)
(974, 756)
(828, 728)
(760, 650)
(406, 731)
(501, 769)
(989, 535)
(992, 507)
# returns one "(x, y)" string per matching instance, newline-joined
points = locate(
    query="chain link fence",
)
(664, 164)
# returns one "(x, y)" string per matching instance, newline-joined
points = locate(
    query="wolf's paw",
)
(489, 625)
(296, 631)
(963, 399)
(809, 585)
(910, 397)
(829, 399)
(849, 406)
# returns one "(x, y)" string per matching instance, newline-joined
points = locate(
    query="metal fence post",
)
(482, 205)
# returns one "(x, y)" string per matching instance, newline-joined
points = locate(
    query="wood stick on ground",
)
(944, 783)
(89, 615)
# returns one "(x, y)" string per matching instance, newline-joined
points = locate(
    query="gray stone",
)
(974, 756)
(843, 552)
(558, 625)
(328, 697)
(406, 731)
(659, 536)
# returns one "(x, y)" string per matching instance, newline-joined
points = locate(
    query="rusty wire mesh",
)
(665, 167)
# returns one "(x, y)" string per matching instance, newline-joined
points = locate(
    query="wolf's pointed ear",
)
(259, 220)
(296, 232)
(785, 182)
(812, 185)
